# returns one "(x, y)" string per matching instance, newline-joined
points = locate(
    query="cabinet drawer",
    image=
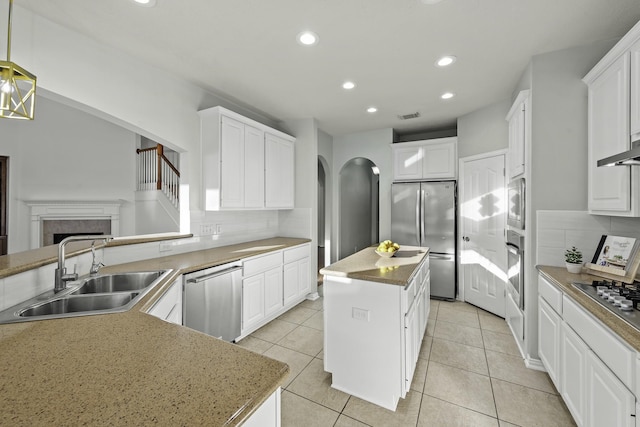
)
(296, 253)
(612, 351)
(261, 264)
(551, 294)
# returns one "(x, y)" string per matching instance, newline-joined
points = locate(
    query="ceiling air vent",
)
(409, 116)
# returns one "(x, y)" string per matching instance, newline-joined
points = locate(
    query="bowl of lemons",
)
(387, 249)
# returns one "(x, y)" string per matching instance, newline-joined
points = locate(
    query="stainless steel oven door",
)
(516, 204)
(515, 267)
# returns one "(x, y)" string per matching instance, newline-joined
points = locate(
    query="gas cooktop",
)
(620, 299)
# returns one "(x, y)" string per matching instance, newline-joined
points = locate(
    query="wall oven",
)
(515, 267)
(514, 312)
(515, 211)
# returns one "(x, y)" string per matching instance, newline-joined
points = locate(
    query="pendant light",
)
(17, 85)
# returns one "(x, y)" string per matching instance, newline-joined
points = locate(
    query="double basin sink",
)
(108, 293)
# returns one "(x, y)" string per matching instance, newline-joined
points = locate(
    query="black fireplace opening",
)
(59, 237)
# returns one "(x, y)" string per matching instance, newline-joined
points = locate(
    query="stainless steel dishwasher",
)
(213, 301)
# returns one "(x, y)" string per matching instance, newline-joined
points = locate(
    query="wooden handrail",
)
(142, 150)
(173, 168)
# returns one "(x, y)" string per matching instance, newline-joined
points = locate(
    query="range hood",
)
(626, 158)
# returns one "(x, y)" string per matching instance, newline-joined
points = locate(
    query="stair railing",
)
(156, 172)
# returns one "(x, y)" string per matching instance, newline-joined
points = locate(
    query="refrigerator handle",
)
(422, 218)
(418, 218)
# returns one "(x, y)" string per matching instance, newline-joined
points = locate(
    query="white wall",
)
(373, 145)
(97, 78)
(325, 155)
(484, 130)
(66, 155)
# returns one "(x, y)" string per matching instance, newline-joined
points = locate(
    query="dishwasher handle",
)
(212, 275)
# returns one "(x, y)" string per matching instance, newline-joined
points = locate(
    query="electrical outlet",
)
(360, 314)
(165, 246)
(207, 229)
(219, 229)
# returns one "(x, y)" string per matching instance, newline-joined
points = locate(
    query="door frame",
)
(461, 193)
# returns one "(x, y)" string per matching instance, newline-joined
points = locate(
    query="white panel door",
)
(253, 167)
(609, 402)
(482, 212)
(232, 163)
(252, 300)
(573, 371)
(290, 279)
(608, 131)
(272, 291)
(549, 325)
(407, 163)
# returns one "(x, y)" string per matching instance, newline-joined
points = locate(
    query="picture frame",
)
(616, 258)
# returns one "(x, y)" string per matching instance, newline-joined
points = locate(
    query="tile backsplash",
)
(560, 230)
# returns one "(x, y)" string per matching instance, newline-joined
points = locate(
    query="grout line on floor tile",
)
(319, 404)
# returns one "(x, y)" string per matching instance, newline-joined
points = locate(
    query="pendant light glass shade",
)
(17, 85)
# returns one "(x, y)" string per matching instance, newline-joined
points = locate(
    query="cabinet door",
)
(272, 291)
(549, 323)
(517, 136)
(279, 172)
(439, 160)
(253, 167)
(252, 300)
(290, 279)
(635, 91)
(573, 370)
(608, 132)
(609, 402)
(304, 280)
(407, 163)
(412, 341)
(231, 163)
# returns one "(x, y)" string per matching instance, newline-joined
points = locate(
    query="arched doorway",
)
(359, 206)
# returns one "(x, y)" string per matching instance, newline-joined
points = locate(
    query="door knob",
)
(465, 238)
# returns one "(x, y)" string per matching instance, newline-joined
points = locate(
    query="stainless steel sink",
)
(108, 293)
(119, 282)
(79, 303)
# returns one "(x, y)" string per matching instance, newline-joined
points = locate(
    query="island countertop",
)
(368, 265)
(131, 368)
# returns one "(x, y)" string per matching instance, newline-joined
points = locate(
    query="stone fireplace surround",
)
(69, 216)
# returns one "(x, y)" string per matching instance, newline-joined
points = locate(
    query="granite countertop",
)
(134, 369)
(561, 278)
(368, 265)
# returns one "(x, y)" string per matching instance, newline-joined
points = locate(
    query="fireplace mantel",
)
(42, 210)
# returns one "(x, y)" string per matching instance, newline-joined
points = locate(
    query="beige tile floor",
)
(469, 373)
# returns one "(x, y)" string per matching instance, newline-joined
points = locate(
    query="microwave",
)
(516, 204)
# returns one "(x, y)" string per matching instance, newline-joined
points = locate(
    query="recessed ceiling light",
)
(307, 38)
(348, 85)
(146, 3)
(372, 110)
(447, 95)
(446, 60)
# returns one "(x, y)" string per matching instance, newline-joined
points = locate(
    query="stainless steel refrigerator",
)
(424, 214)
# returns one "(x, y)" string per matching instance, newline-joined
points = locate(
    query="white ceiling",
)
(246, 50)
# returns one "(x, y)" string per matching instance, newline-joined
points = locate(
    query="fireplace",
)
(53, 221)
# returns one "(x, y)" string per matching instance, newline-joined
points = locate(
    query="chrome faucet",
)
(62, 277)
(95, 265)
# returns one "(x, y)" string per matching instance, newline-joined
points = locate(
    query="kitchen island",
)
(131, 368)
(376, 312)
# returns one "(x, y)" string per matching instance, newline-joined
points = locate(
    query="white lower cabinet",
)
(169, 306)
(609, 402)
(592, 368)
(573, 373)
(272, 284)
(549, 326)
(268, 414)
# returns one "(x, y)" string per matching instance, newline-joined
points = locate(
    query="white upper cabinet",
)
(279, 172)
(518, 135)
(614, 123)
(429, 159)
(236, 171)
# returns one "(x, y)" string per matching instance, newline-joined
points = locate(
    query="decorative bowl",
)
(386, 254)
